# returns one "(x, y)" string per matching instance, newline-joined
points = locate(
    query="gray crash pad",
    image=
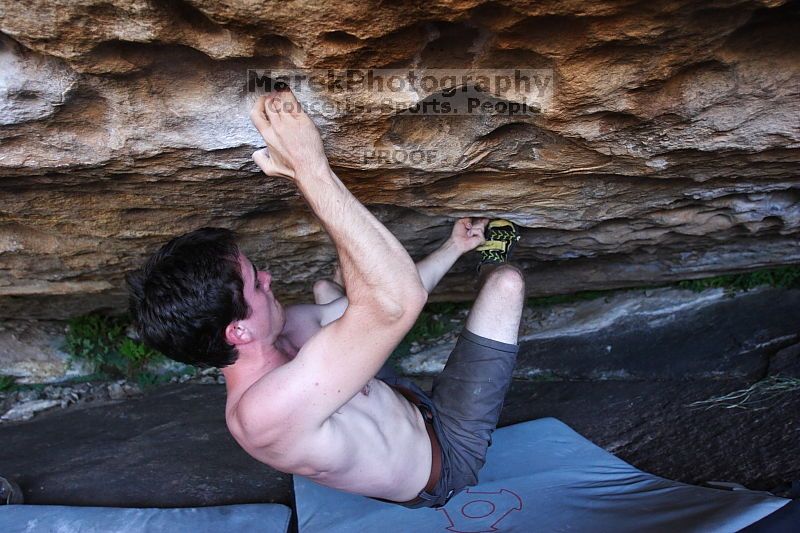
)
(543, 476)
(267, 518)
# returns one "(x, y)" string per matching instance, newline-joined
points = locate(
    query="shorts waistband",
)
(436, 448)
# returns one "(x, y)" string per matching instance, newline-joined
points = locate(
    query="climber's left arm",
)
(467, 234)
(303, 321)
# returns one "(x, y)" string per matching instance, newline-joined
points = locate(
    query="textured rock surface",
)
(664, 334)
(669, 148)
(31, 350)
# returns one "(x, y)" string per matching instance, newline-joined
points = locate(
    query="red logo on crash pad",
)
(481, 512)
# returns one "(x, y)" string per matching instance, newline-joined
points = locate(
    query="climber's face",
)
(266, 319)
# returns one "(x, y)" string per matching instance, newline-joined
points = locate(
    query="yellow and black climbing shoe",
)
(501, 237)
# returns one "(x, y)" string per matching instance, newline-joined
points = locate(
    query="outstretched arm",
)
(375, 266)
(383, 286)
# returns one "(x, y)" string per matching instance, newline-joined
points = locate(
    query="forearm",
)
(374, 264)
(433, 268)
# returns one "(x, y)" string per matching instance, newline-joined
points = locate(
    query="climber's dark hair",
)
(186, 295)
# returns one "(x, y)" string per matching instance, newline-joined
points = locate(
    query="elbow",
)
(413, 301)
(400, 300)
(416, 300)
(404, 306)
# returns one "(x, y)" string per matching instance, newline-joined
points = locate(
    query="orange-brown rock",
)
(668, 149)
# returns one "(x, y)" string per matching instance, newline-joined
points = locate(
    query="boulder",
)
(666, 146)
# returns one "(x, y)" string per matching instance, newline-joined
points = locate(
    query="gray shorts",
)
(465, 403)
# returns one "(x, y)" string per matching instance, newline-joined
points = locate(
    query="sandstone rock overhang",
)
(668, 149)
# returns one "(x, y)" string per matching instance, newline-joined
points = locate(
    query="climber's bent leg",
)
(469, 393)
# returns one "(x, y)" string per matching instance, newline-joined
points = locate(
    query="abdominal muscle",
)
(375, 445)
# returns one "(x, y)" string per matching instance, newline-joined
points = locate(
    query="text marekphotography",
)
(333, 92)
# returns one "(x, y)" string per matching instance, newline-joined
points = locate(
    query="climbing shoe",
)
(501, 237)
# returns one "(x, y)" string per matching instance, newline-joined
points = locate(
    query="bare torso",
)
(376, 444)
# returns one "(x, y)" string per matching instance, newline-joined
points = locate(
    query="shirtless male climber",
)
(308, 392)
